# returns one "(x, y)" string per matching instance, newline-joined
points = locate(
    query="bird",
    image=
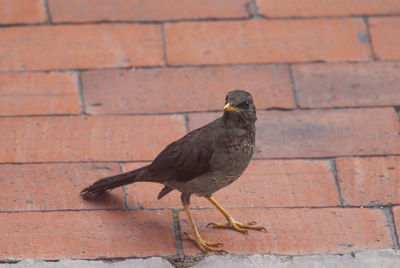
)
(201, 163)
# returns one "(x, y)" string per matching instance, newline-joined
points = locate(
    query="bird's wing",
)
(185, 158)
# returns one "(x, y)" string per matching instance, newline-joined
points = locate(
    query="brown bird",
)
(202, 162)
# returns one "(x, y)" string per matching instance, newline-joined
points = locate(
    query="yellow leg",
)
(204, 245)
(232, 223)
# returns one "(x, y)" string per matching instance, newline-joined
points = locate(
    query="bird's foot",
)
(237, 226)
(204, 245)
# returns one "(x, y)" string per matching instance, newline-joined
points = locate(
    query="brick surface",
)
(149, 10)
(295, 231)
(80, 46)
(197, 89)
(312, 8)
(321, 133)
(22, 11)
(265, 183)
(344, 84)
(103, 138)
(54, 186)
(258, 41)
(39, 93)
(369, 181)
(86, 234)
(385, 36)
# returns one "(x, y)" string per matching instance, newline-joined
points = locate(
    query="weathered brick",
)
(385, 36)
(196, 89)
(86, 234)
(54, 186)
(321, 133)
(369, 181)
(22, 11)
(258, 41)
(295, 231)
(347, 84)
(316, 8)
(149, 10)
(80, 46)
(81, 138)
(265, 183)
(39, 93)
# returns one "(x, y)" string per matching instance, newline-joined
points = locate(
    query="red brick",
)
(315, 8)
(295, 231)
(39, 93)
(149, 10)
(258, 41)
(321, 133)
(86, 234)
(347, 84)
(265, 183)
(385, 36)
(197, 89)
(81, 138)
(80, 46)
(54, 186)
(369, 181)
(22, 11)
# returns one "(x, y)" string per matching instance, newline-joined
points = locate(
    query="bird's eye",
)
(245, 104)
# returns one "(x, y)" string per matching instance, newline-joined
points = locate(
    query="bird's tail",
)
(112, 182)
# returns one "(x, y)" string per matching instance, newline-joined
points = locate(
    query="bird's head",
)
(239, 106)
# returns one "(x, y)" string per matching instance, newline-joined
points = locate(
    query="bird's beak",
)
(229, 107)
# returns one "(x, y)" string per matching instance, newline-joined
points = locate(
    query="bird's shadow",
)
(105, 200)
(114, 201)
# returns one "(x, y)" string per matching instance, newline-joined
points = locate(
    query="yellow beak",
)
(228, 107)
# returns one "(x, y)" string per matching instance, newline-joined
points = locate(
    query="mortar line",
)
(186, 113)
(48, 14)
(177, 233)
(254, 14)
(316, 158)
(296, 99)
(397, 109)
(209, 19)
(368, 31)
(332, 163)
(164, 44)
(81, 95)
(186, 119)
(124, 194)
(392, 226)
(208, 65)
(373, 207)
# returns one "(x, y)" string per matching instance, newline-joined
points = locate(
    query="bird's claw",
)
(206, 246)
(237, 226)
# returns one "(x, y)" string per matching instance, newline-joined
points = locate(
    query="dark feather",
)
(185, 158)
(112, 182)
(166, 190)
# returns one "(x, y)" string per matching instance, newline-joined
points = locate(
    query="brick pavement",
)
(89, 89)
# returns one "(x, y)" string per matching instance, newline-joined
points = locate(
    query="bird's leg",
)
(204, 245)
(232, 223)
